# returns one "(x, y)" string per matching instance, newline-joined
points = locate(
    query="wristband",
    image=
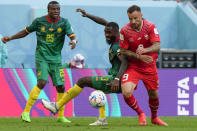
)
(117, 79)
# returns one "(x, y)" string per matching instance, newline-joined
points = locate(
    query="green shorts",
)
(99, 83)
(44, 69)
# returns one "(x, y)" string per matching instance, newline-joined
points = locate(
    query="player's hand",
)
(83, 13)
(145, 58)
(5, 39)
(114, 85)
(140, 50)
(73, 44)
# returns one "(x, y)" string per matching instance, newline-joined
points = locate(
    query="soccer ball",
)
(97, 99)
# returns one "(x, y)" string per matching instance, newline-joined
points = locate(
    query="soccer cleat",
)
(63, 120)
(51, 106)
(25, 117)
(158, 121)
(100, 122)
(142, 119)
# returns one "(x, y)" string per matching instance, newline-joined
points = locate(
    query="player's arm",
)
(115, 84)
(96, 19)
(128, 53)
(123, 66)
(18, 35)
(73, 41)
(155, 47)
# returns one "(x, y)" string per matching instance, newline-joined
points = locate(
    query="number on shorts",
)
(125, 77)
(61, 72)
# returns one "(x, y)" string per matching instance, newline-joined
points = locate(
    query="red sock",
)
(132, 102)
(154, 105)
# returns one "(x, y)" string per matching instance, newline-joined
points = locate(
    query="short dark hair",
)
(114, 25)
(133, 8)
(52, 2)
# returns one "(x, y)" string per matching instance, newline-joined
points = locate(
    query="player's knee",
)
(153, 94)
(126, 94)
(84, 81)
(41, 83)
(60, 88)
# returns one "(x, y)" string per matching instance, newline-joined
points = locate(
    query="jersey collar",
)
(117, 38)
(49, 20)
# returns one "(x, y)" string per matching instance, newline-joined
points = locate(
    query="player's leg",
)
(75, 91)
(69, 95)
(100, 83)
(42, 76)
(128, 84)
(57, 75)
(152, 84)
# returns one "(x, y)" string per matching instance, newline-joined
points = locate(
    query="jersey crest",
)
(59, 29)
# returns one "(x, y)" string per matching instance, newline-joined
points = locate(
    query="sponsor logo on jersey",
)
(59, 29)
(51, 29)
(42, 29)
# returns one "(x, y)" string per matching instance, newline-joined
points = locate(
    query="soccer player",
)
(109, 83)
(50, 31)
(141, 36)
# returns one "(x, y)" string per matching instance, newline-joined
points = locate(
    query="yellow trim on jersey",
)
(26, 30)
(71, 35)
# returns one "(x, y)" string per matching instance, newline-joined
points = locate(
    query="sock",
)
(132, 102)
(33, 96)
(154, 105)
(102, 112)
(70, 94)
(61, 110)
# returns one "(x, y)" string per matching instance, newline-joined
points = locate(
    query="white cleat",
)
(51, 106)
(100, 122)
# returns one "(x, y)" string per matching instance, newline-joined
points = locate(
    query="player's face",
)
(110, 34)
(135, 19)
(54, 11)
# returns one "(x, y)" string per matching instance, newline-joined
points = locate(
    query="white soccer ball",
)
(97, 99)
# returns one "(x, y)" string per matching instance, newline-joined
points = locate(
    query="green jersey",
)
(113, 58)
(50, 37)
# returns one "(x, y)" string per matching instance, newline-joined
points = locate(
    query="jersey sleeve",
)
(154, 34)
(32, 27)
(69, 29)
(123, 41)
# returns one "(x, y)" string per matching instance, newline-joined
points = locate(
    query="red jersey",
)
(130, 39)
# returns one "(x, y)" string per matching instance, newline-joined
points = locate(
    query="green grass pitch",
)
(81, 124)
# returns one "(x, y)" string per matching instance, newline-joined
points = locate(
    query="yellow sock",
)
(70, 94)
(33, 96)
(102, 112)
(61, 110)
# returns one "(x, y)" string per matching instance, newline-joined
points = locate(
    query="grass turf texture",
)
(81, 124)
